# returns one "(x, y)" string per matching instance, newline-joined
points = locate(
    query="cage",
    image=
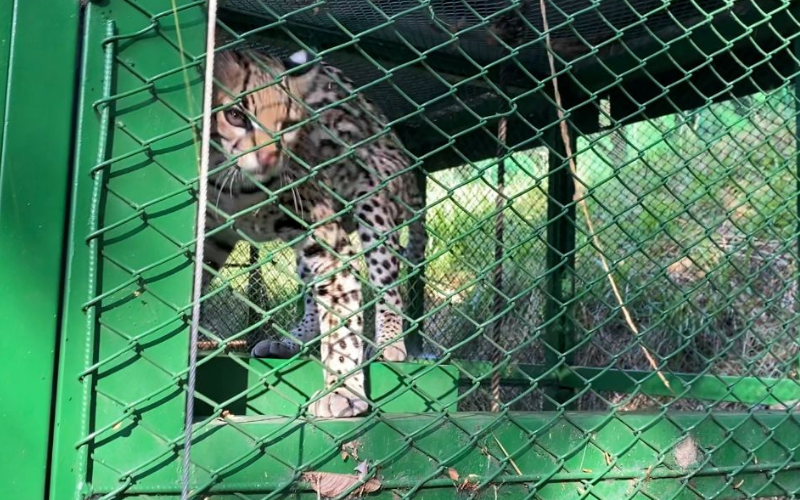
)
(607, 302)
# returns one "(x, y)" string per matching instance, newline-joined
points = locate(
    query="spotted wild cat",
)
(346, 159)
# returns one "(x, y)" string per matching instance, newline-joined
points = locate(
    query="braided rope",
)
(202, 197)
(499, 230)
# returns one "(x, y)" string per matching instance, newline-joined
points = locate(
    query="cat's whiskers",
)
(237, 176)
(221, 189)
(298, 207)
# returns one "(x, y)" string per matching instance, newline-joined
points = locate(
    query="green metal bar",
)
(416, 290)
(255, 285)
(148, 271)
(6, 23)
(746, 390)
(37, 69)
(607, 456)
(560, 259)
(87, 403)
(796, 47)
(73, 407)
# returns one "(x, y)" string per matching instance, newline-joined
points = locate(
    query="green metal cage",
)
(608, 308)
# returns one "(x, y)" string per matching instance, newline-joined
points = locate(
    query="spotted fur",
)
(311, 126)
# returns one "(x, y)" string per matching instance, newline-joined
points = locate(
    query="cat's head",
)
(261, 103)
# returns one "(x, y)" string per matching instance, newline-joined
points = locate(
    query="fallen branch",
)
(582, 201)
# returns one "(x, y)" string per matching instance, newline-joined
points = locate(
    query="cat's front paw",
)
(273, 349)
(341, 403)
(394, 352)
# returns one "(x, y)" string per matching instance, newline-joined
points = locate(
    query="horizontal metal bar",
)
(747, 390)
(606, 454)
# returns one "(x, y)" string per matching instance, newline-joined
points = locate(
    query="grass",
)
(696, 214)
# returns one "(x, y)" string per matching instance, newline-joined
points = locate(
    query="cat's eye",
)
(236, 118)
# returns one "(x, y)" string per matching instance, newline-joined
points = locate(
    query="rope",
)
(498, 257)
(205, 145)
(581, 200)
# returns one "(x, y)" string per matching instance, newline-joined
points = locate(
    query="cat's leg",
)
(304, 332)
(337, 294)
(379, 238)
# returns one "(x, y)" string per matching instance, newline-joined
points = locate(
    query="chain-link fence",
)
(609, 197)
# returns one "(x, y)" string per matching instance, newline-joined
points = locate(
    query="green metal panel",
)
(716, 388)
(248, 386)
(6, 24)
(121, 387)
(37, 69)
(129, 283)
(553, 456)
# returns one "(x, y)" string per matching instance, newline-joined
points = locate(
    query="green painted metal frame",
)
(133, 182)
(406, 447)
(37, 81)
(555, 455)
(796, 49)
(416, 292)
(560, 261)
(746, 390)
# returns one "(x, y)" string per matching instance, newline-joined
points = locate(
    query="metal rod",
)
(563, 477)
(98, 181)
(560, 259)
(416, 288)
(797, 159)
(254, 285)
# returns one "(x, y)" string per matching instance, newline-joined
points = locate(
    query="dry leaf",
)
(226, 414)
(587, 471)
(738, 485)
(329, 484)
(452, 473)
(467, 484)
(351, 449)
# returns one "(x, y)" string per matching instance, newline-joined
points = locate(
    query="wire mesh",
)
(682, 117)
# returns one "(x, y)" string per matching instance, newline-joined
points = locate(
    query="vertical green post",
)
(255, 285)
(103, 253)
(560, 260)
(797, 152)
(37, 81)
(416, 289)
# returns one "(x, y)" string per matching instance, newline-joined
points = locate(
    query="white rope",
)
(205, 146)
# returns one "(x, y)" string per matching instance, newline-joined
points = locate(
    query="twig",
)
(578, 196)
(510, 460)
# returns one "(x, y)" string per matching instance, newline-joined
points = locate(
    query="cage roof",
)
(446, 69)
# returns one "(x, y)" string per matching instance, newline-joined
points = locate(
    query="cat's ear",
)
(227, 69)
(301, 70)
(301, 59)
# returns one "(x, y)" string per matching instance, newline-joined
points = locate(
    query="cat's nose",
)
(267, 157)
